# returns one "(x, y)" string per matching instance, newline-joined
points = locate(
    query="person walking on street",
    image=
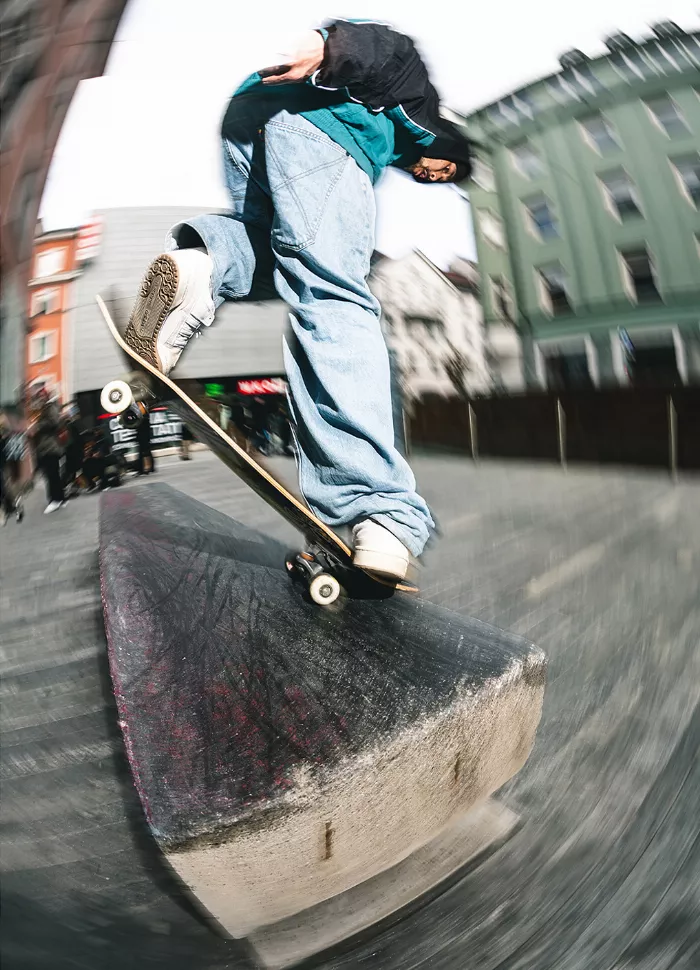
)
(185, 439)
(11, 454)
(145, 464)
(45, 432)
(303, 144)
(73, 449)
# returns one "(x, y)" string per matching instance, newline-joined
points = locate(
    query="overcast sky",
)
(146, 133)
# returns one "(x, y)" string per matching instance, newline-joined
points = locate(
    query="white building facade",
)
(433, 324)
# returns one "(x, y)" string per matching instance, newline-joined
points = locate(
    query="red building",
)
(50, 294)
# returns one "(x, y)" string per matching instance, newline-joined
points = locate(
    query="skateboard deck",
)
(329, 560)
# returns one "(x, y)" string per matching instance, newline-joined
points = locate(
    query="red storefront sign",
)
(262, 385)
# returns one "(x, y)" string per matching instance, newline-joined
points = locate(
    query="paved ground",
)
(599, 568)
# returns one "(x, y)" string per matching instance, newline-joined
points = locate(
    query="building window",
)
(526, 160)
(501, 298)
(641, 62)
(422, 328)
(639, 276)
(620, 194)
(651, 359)
(690, 45)
(629, 69)
(499, 116)
(492, 228)
(566, 370)
(667, 116)
(663, 57)
(510, 110)
(41, 347)
(482, 175)
(520, 104)
(553, 287)
(599, 134)
(581, 80)
(562, 90)
(44, 301)
(688, 174)
(540, 218)
(49, 263)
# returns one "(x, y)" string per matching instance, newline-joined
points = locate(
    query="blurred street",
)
(599, 568)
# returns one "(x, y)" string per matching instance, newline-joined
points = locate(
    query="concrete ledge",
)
(358, 909)
(350, 823)
(285, 754)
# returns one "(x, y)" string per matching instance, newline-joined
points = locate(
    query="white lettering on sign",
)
(265, 385)
(165, 427)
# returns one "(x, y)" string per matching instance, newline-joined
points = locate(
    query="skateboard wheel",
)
(116, 397)
(324, 589)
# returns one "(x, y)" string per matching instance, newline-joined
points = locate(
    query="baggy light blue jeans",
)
(302, 221)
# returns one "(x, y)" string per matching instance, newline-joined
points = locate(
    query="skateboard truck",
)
(118, 397)
(314, 568)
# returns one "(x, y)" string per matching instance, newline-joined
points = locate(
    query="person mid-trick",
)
(303, 143)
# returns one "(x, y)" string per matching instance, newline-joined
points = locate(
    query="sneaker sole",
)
(391, 567)
(153, 304)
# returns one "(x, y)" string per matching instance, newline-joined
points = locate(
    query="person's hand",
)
(306, 58)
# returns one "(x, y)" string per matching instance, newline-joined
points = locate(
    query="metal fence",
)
(654, 427)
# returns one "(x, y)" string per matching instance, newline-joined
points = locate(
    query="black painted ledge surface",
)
(278, 744)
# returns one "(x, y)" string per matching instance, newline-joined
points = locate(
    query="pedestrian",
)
(185, 439)
(303, 144)
(11, 455)
(285, 430)
(145, 464)
(45, 432)
(95, 460)
(73, 449)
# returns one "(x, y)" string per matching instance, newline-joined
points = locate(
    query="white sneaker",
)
(174, 302)
(52, 507)
(378, 550)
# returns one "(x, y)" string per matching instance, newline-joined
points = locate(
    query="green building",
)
(586, 206)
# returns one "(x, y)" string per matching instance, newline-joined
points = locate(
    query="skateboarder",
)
(303, 144)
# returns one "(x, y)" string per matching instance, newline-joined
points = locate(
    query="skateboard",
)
(325, 565)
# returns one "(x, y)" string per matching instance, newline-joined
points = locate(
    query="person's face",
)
(433, 170)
